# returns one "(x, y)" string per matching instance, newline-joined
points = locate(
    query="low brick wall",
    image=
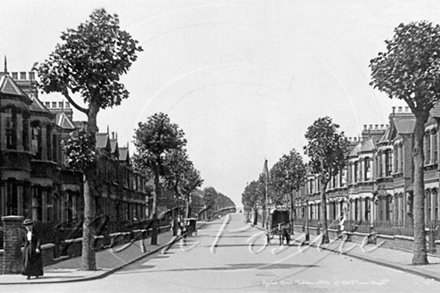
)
(73, 247)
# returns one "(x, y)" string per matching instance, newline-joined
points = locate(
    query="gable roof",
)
(405, 125)
(114, 149)
(102, 141)
(37, 106)
(8, 86)
(368, 145)
(355, 151)
(124, 155)
(63, 121)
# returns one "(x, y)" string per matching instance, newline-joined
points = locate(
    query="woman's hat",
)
(28, 222)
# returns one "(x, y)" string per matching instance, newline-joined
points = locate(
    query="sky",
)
(243, 79)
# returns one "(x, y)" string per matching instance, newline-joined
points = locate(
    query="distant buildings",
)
(35, 180)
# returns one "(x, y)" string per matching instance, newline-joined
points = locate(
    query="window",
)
(396, 158)
(32, 75)
(435, 147)
(60, 105)
(379, 165)
(54, 104)
(367, 167)
(11, 199)
(23, 75)
(367, 209)
(427, 148)
(388, 162)
(67, 105)
(49, 143)
(14, 75)
(36, 140)
(356, 171)
(25, 132)
(37, 204)
(11, 129)
(47, 104)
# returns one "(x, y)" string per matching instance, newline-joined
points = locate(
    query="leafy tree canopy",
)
(90, 61)
(410, 69)
(326, 148)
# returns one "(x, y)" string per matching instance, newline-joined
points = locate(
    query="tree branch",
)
(65, 93)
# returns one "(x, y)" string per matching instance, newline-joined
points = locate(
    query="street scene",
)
(220, 145)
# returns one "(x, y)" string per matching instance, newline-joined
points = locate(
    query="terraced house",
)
(36, 182)
(375, 190)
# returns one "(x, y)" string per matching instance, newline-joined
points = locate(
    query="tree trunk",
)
(88, 258)
(324, 228)
(157, 194)
(292, 212)
(419, 249)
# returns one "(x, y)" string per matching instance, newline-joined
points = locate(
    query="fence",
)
(384, 228)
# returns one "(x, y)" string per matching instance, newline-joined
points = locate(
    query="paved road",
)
(231, 257)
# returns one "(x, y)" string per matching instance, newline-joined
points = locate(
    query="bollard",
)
(12, 241)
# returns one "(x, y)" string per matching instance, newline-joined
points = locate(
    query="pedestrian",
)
(32, 260)
(286, 234)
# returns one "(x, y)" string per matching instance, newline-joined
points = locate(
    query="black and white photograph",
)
(219, 146)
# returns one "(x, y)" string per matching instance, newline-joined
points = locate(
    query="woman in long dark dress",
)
(32, 260)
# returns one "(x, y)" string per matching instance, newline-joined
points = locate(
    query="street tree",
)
(409, 70)
(209, 197)
(326, 149)
(181, 177)
(253, 197)
(89, 63)
(153, 141)
(288, 175)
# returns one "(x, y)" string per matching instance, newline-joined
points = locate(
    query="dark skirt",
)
(32, 262)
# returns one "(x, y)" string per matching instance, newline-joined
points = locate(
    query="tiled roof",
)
(63, 121)
(37, 106)
(8, 86)
(113, 145)
(386, 137)
(368, 146)
(355, 150)
(102, 140)
(123, 154)
(406, 125)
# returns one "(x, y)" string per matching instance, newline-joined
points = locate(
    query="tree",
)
(326, 149)
(89, 62)
(288, 175)
(252, 197)
(209, 197)
(182, 177)
(153, 141)
(410, 71)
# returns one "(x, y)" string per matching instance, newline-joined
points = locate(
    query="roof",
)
(386, 137)
(406, 125)
(37, 106)
(355, 150)
(102, 140)
(435, 112)
(368, 146)
(124, 154)
(8, 86)
(63, 121)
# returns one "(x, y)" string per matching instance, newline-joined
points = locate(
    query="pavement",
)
(110, 261)
(107, 261)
